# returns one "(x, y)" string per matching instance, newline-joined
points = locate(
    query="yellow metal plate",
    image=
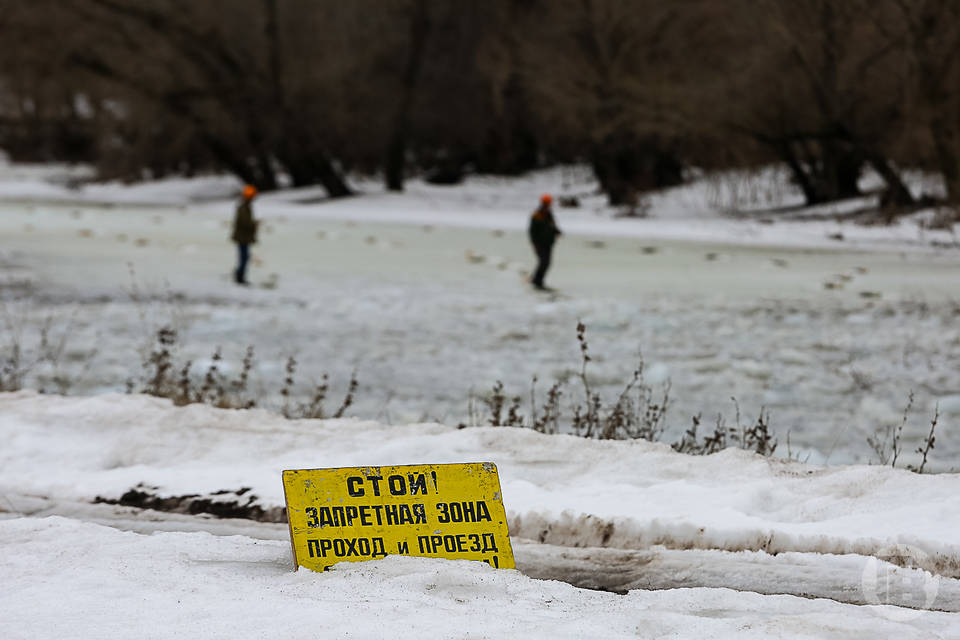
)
(354, 514)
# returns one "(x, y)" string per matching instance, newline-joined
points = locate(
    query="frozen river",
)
(830, 341)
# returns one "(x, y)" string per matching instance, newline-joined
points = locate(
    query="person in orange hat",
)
(244, 232)
(543, 233)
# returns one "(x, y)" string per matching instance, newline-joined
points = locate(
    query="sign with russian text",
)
(354, 514)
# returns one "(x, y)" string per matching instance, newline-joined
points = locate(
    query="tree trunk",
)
(608, 168)
(625, 166)
(841, 170)
(395, 158)
(329, 177)
(296, 151)
(897, 195)
(945, 142)
(810, 194)
(266, 176)
(829, 172)
(396, 151)
(510, 147)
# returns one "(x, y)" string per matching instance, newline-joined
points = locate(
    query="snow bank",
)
(73, 183)
(704, 210)
(557, 489)
(67, 579)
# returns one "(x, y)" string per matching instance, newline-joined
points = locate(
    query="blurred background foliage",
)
(308, 92)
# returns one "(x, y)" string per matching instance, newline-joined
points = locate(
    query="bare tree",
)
(929, 31)
(305, 91)
(419, 26)
(222, 80)
(817, 93)
(607, 74)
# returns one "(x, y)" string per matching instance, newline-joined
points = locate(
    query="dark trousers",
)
(543, 263)
(243, 257)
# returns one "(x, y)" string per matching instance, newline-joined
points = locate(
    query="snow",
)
(727, 289)
(74, 580)
(716, 306)
(70, 578)
(562, 489)
(732, 207)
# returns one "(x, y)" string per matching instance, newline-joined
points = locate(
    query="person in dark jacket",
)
(244, 232)
(543, 233)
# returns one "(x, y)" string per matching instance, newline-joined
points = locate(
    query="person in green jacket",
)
(244, 232)
(543, 233)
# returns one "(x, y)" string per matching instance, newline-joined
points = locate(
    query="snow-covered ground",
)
(726, 289)
(676, 531)
(111, 584)
(423, 295)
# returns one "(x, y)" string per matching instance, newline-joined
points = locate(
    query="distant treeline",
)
(641, 90)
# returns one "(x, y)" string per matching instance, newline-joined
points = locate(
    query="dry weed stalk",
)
(924, 450)
(216, 390)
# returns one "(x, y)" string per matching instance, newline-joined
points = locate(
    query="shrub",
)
(216, 390)
(637, 413)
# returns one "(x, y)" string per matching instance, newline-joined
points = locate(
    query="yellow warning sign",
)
(362, 513)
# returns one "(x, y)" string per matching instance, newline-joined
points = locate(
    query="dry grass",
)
(887, 442)
(638, 412)
(215, 389)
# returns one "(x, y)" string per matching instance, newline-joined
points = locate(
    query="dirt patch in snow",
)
(227, 503)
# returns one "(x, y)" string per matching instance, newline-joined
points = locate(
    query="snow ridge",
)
(557, 489)
(586, 530)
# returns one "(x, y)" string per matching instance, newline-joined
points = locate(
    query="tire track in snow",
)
(585, 530)
(810, 575)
